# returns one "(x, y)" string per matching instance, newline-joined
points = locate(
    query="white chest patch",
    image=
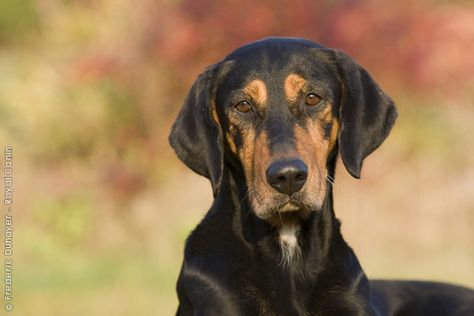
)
(289, 242)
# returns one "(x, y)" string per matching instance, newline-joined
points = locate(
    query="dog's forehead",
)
(274, 59)
(274, 46)
(275, 55)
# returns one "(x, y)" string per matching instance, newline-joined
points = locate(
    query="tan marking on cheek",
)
(334, 133)
(293, 85)
(257, 90)
(247, 153)
(214, 116)
(255, 156)
(315, 134)
(231, 142)
(228, 136)
(262, 198)
(327, 118)
(326, 114)
(262, 155)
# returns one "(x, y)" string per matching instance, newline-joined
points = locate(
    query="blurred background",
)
(89, 90)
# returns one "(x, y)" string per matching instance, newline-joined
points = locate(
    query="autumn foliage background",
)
(89, 90)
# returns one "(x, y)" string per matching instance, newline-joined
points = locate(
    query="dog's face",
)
(276, 109)
(281, 108)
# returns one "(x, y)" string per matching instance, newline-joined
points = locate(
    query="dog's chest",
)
(288, 236)
(291, 301)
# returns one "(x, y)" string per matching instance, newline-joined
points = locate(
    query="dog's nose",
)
(287, 176)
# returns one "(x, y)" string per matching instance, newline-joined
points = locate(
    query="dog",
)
(265, 126)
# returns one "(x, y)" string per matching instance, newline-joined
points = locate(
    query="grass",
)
(103, 285)
(53, 279)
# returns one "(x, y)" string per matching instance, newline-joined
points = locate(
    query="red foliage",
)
(413, 45)
(93, 67)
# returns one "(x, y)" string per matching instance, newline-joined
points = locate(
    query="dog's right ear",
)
(196, 135)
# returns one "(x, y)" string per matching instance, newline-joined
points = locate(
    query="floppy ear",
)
(195, 137)
(367, 114)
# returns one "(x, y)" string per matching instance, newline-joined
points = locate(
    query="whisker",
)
(245, 196)
(330, 179)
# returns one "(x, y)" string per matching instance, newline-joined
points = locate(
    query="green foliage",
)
(18, 20)
(68, 220)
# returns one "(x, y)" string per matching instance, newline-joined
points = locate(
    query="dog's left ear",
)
(367, 114)
(195, 136)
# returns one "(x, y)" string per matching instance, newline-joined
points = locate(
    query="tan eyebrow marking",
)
(293, 85)
(257, 90)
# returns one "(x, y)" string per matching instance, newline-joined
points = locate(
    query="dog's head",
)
(281, 108)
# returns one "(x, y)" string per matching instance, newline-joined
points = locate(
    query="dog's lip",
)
(289, 207)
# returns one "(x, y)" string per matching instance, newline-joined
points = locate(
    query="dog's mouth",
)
(297, 202)
(298, 205)
(288, 213)
(289, 207)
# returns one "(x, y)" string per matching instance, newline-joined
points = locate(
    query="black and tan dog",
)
(265, 125)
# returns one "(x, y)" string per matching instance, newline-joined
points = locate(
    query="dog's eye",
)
(313, 99)
(243, 106)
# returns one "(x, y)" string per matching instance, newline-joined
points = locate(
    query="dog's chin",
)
(285, 213)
